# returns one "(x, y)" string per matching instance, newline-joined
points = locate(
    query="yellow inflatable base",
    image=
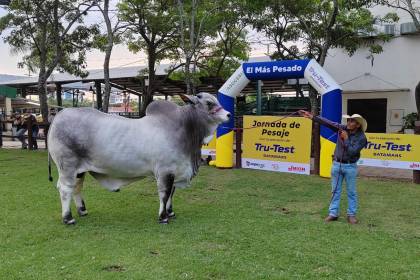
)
(327, 152)
(224, 151)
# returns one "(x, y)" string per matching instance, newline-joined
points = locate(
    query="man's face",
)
(352, 124)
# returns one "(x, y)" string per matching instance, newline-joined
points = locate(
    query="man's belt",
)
(345, 161)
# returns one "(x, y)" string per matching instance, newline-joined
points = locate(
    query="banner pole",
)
(416, 173)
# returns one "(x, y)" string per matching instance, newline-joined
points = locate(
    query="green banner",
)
(8, 91)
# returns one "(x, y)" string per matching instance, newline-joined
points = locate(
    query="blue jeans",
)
(20, 134)
(349, 173)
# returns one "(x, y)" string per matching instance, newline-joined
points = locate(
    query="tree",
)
(414, 11)
(152, 29)
(275, 21)
(196, 25)
(410, 6)
(51, 35)
(106, 43)
(221, 57)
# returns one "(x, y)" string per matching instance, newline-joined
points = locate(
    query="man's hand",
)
(305, 114)
(343, 135)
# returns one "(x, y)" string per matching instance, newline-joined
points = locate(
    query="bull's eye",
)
(210, 104)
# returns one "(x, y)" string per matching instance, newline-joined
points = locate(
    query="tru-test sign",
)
(276, 144)
(392, 151)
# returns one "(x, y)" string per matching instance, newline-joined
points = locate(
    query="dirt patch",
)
(114, 268)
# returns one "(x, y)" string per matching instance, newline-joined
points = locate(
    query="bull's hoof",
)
(82, 212)
(68, 220)
(82, 209)
(164, 221)
(116, 190)
(171, 215)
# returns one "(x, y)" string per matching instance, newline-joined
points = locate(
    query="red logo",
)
(296, 168)
(415, 165)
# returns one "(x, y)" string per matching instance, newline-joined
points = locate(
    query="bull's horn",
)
(188, 99)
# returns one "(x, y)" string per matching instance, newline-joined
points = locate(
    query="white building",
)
(381, 88)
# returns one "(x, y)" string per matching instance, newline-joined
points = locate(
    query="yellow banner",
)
(277, 144)
(391, 150)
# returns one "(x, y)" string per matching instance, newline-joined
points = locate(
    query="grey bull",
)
(116, 151)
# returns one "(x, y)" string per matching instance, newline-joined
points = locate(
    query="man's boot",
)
(330, 218)
(352, 220)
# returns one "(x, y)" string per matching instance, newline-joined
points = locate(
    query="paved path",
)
(9, 144)
(388, 173)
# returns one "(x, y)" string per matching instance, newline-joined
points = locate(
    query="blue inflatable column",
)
(226, 96)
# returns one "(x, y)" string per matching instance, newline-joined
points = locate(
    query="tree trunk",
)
(42, 91)
(187, 71)
(417, 95)
(313, 97)
(58, 90)
(108, 51)
(414, 13)
(148, 97)
(107, 89)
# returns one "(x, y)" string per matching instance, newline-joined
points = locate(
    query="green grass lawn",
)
(231, 224)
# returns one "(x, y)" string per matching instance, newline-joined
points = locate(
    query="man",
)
(51, 115)
(351, 140)
(21, 128)
(30, 118)
(1, 130)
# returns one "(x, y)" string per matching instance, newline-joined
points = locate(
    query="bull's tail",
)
(50, 178)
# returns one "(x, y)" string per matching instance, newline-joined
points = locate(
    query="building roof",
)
(132, 79)
(5, 78)
(369, 82)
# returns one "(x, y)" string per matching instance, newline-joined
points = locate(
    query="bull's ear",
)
(188, 98)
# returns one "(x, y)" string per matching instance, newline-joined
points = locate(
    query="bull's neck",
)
(197, 126)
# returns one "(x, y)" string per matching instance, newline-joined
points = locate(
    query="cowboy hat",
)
(359, 119)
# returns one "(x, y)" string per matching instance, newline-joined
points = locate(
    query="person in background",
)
(351, 140)
(51, 115)
(19, 123)
(35, 129)
(12, 118)
(1, 129)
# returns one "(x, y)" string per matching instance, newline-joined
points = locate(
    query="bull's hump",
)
(86, 114)
(82, 111)
(161, 107)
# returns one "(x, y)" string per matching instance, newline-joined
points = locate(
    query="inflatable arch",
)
(273, 70)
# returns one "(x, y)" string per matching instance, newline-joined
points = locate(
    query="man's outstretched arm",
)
(323, 121)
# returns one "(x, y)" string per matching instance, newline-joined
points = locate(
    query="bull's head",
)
(207, 102)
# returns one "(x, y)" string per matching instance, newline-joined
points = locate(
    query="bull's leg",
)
(165, 184)
(66, 186)
(77, 195)
(169, 209)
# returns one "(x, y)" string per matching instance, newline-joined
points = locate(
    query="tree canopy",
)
(51, 35)
(200, 37)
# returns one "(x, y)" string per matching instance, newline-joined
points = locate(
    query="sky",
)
(121, 56)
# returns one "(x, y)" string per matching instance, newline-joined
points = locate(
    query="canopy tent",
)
(8, 91)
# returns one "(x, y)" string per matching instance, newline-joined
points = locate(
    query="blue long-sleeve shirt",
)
(347, 151)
